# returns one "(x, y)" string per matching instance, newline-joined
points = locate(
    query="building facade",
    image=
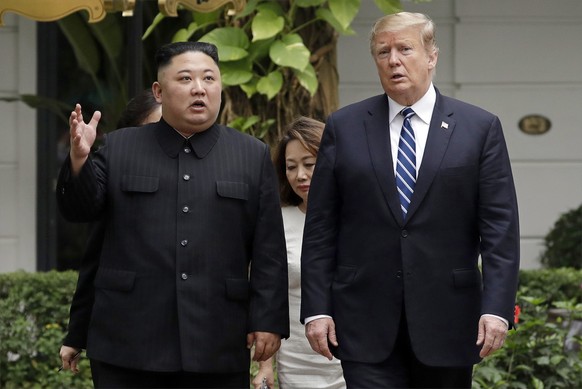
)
(520, 59)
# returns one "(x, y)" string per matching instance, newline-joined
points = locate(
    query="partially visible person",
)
(140, 110)
(411, 189)
(298, 366)
(192, 273)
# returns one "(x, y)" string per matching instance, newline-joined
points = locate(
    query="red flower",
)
(516, 313)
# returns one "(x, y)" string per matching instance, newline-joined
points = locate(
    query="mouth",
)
(304, 188)
(198, 104)
(397, 77)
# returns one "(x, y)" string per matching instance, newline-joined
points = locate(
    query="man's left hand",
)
(492, 333)
(266, 344)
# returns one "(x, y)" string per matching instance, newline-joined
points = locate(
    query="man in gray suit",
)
(193, 268)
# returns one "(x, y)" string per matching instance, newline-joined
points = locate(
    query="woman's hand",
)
(265, 371)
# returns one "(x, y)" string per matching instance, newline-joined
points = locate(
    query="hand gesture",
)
(82, 137)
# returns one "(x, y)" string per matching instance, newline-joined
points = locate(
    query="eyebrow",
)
(188, 70)
(306, 157)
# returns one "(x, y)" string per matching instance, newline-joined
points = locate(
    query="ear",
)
(157, 91)
(432, 59)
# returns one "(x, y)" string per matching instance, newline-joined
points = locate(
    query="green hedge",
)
(34, 309)
(534, 355)
(563, 244)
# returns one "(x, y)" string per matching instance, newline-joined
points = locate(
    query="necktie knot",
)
(407, 112)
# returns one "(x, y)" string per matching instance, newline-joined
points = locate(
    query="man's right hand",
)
(82, 137)
(319, 332)
(70, 358)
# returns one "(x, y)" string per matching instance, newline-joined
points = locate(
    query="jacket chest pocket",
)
(233, 190)
(139, 205)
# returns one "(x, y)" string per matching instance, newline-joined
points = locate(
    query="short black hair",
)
(165, 53)
(138, 109)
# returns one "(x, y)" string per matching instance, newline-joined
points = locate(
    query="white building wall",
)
(17, 146)
(513, 58)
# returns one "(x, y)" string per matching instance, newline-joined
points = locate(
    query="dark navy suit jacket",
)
(364, 266)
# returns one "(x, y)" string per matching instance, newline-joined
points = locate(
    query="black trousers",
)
(403, 370)
(110, 376)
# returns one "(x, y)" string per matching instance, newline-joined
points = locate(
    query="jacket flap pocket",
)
(235, 190)
(114, 279)
(237, 289)
(345, 274)
(143, 184)
(466, 278)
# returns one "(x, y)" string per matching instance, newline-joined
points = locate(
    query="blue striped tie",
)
(406, 162)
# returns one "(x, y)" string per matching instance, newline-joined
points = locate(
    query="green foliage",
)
(276, 57)
(552, 285)
(563, 244)
(534, 354)
(34, 311)
(92, 66)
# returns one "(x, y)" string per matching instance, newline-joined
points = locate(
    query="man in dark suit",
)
(193, 268)
(400, 209)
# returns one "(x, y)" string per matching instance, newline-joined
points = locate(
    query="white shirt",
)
(420, 123)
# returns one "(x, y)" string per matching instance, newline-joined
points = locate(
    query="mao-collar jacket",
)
(193, 255)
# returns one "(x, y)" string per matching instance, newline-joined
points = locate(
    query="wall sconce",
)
(534, 124)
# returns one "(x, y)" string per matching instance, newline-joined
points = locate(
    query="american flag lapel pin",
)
(444, 125)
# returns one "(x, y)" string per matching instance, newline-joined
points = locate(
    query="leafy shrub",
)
(563, 244)
(551, 285)
(534, 354)
(34, 311)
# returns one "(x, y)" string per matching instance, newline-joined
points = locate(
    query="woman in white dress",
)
(298, 366)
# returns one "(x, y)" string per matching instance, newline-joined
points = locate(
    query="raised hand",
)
(82, 137)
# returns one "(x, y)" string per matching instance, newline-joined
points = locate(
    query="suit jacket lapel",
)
(378, 136)
(439, 134)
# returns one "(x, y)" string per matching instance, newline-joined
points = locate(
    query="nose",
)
(302, 174)
(394, 58)
(197, 87)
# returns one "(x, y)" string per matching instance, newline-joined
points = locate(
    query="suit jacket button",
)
(404, 233)
(186, 177)
(185, 209)
(184, 243)
(398, 274)
(184, 276)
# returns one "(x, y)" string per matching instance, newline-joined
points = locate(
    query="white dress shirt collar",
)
(423, 108)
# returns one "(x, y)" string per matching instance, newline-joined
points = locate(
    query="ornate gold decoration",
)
(170, 7)
(126, 7)
(535, 124)
(51, 10)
